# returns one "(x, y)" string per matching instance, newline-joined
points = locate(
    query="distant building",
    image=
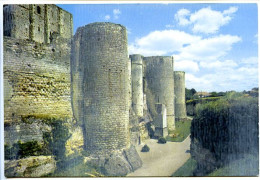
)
(202, 94)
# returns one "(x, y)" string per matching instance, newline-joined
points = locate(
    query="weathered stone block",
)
(133, 158)
(34, 166)
(117, 165)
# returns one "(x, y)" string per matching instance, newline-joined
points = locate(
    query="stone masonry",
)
(39, 23)
(137, 84)
(160, 82)
(179, 90)
(105, 97)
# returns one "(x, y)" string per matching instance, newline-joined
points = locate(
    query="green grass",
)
(187, 169)
(181, 132)
(247, 166)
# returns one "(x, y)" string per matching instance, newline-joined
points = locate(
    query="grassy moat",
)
(181, 132)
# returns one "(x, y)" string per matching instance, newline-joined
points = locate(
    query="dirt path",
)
(162, 159)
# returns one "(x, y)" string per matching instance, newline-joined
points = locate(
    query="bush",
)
(228, 126)
(145, 148)
(161, 140)
(20, 150)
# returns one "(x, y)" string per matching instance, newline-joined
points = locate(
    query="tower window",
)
(38, 10)
(39, 29)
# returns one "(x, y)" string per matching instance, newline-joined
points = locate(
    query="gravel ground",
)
(162, 159)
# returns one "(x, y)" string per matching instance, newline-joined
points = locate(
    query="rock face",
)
(179, 90)
(37, 79)
(102, 62)
(119, 163)
(133, 158)
(34, 166)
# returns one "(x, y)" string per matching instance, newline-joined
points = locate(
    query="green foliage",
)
(20, 150)
(181, 132)
(145, 148)
(189, 93)
(246, 166)
(228, 126)
(186, 170)
(191, 104)
(56, 141)
(213, 94)
(161, 140)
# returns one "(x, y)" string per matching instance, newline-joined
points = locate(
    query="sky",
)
(216, 44)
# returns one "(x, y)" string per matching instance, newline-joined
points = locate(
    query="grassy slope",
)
(187, 169)
(247, 166)
(181, 132)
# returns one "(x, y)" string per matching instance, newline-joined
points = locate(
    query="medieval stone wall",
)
(179, 90)
(159, 79)
(40, 23)
(102, 55)
(36, 86)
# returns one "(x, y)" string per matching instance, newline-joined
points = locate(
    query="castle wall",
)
(40, 23)
(36, 86)
(137, 84)
(160, 85)
(105, 87)
(179, 90)
(16, 21)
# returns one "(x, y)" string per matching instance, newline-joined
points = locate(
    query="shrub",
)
(20, 150)
(145, 148)
(161, 140)
(228, 126)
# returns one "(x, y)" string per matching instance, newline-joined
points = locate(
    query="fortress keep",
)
(160, 82)
(39, 23)
(104, 62)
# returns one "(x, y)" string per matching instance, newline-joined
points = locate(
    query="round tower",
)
(137, 83)
(103, 58)
(160, 85)
(179, 90)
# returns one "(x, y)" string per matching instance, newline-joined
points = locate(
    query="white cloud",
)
(169, 26)
(208, 49)
(107, 17)
(250, 61)
(181, 17)
(205, 20)
(219, 64)
(187, 66)
(116, 13)
(229, 11)
(162, 42)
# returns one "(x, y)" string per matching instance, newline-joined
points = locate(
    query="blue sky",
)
(214, 43)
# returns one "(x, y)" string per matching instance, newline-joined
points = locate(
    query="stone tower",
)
(179, 90)
(103, 64)
(160, 84)
(137, 84)
(37, 22)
